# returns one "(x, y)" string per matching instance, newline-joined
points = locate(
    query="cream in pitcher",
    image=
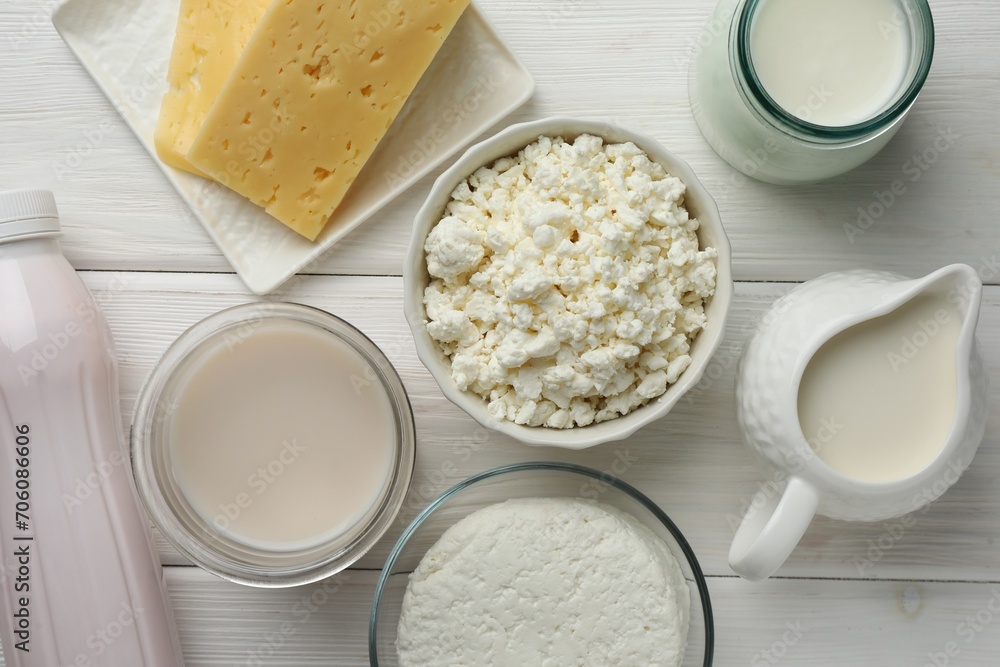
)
(867, 392)
(877, 401)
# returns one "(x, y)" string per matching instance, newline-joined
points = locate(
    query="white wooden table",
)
(853, 594)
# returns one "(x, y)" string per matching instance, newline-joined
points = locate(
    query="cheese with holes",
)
(211, 36)
(317, 88)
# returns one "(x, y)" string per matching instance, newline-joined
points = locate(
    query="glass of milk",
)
(798, 91)
(273, 444)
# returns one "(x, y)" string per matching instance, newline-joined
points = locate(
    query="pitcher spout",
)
(960, 289)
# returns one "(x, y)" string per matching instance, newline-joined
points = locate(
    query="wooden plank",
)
(784, 621)
(856, 623)
(692, 462)
(587, 55)
(792, 622)
(226, 624)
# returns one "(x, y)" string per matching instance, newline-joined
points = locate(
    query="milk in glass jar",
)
(798, 91)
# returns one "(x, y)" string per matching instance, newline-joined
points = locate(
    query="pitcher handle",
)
(771, 530)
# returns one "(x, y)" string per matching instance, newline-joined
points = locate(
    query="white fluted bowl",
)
(505, 144)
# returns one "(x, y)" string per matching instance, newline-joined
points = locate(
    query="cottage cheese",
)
(567, 282)
(549, 582)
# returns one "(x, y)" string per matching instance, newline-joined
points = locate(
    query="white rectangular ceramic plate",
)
(474, 82)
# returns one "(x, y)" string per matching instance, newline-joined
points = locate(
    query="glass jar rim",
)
(144, 447)
(922, 20)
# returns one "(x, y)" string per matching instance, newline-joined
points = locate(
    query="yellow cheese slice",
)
(211, 35)
(315, 91)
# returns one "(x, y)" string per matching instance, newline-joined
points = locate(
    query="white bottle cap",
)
(27, 213)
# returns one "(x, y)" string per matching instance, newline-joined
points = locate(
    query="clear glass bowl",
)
(531, 480)
(199, 540)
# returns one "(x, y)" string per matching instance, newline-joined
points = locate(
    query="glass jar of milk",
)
(798, 91)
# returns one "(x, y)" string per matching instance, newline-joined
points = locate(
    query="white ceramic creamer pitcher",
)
(842, 307)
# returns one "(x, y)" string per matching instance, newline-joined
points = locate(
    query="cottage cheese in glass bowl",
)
(534, 581)
(542, 564)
